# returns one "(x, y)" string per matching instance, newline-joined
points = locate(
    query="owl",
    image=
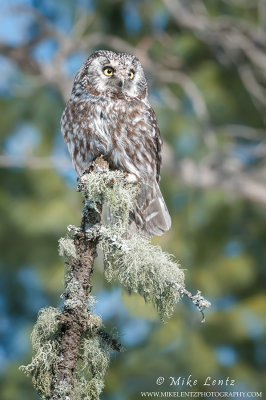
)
(109, 114)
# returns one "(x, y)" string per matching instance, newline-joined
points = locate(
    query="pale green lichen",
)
(92, 368)
(72, 286)
(63, 389)
(94, 322)
(134, 262)
(91, 301)
(145, 269)
(67, 249)
(45, 339)
(111, 188)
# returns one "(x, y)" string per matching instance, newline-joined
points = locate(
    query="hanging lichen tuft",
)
(45, 340)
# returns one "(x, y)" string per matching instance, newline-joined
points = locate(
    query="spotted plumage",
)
(109, 114)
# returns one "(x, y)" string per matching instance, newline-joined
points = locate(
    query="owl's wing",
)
(157, 142)
(151, 214)
(79, 136)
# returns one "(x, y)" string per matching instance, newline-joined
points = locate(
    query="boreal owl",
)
(109, 114)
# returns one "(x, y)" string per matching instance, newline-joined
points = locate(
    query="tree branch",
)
(74, 318)
(71, 347)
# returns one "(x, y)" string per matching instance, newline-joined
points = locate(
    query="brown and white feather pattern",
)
(114, 119)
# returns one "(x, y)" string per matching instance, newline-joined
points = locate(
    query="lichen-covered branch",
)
(73, 320)
(71, 348)
(71, 344)
(200, 302)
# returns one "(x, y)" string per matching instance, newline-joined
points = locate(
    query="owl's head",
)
(111, 74)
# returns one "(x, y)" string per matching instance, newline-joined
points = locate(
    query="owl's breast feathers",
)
(102, 118)
(125, 131)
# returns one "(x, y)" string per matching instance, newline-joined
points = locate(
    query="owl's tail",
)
(151, 215)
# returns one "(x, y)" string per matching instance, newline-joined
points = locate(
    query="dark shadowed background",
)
(205, 61)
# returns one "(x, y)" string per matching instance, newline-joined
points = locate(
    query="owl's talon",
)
(131, 178)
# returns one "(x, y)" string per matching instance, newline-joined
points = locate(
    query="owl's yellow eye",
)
(131, 74)
(108, 71)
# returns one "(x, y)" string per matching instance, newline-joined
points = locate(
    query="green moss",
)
(45, 342)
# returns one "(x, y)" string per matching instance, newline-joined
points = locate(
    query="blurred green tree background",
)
(206, 65)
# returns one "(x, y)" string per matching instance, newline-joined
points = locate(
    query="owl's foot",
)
(131, 178)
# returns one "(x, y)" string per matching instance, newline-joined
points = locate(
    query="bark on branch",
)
(73, 320)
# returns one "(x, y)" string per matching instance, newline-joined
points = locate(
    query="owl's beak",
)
(121, 83)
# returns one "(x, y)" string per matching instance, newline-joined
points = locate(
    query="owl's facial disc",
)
(120, 79)
(117, 76)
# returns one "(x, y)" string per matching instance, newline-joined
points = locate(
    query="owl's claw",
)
(131, 178)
